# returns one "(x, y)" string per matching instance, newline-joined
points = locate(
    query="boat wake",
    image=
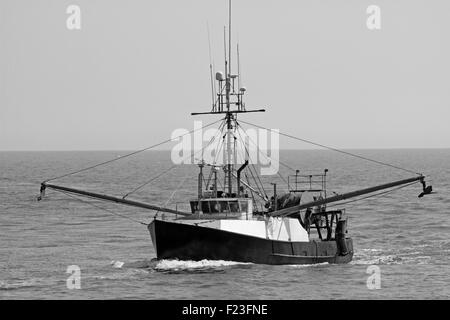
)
(141, 264)
(308, 265)
(195, 265)
(174, 266)
(13, 285)
(386, 257)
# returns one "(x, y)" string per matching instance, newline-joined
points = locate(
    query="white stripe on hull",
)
(284, 229)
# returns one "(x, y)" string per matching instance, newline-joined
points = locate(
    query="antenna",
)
(239, 77)
(225, 48)
(213, 91)
(238, 66)
(229, 37)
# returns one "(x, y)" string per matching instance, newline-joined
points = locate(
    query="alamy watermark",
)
(73, 22)
(259, 147)
(374, 280)
(373, 21)
(74, 280)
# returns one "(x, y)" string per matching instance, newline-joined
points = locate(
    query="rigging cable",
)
(250, 167)
(173, 193)
(246, 152)
(101, 208)
(374, 195)
(218, 147)
(334, 149)
(220, 144)
(267, 158)
(253, 166)
(130, 154)
(255, 204)
(281, 162)
(169, 169)
(213, 164)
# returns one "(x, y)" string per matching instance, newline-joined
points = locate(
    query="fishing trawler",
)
(232, 217)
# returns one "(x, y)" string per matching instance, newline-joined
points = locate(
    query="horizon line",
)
(283, 149)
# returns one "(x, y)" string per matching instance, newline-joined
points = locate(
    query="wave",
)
(408, 255)
(11, 285)
(128, 274)
(380, 260)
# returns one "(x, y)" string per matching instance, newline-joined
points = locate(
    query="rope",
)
(251, 191)
(130, 154)
(147, 182)
(173, 193)
(266, 156)
(334, 149)
(172, 167)
(220, 144)
(98, 207)
(218, 148)
(260, 186)
(253, 166)
(244, 153)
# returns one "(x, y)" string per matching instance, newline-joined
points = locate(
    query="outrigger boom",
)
(109, 198)
(291, 211)
(295, 209)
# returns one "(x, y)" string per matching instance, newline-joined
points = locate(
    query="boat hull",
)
(174, 240)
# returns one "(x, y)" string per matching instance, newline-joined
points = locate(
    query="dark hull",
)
(188, 242)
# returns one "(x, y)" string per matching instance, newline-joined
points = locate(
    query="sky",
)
(136, 70)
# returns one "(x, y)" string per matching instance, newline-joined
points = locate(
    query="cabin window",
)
(205, 206)
(234, 206)
(223, 206)
(215, 207)
(244, 206)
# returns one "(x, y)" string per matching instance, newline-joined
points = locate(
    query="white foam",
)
(117, 264)
(370, 250)
(4, 285)
(384, 259)
(189, 264)
(308, 265)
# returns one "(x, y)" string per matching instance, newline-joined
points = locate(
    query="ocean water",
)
(407, 238)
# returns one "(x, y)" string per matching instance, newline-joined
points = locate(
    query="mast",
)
(226, 98)
(229, 133)
(229, 37)
(229, 115)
